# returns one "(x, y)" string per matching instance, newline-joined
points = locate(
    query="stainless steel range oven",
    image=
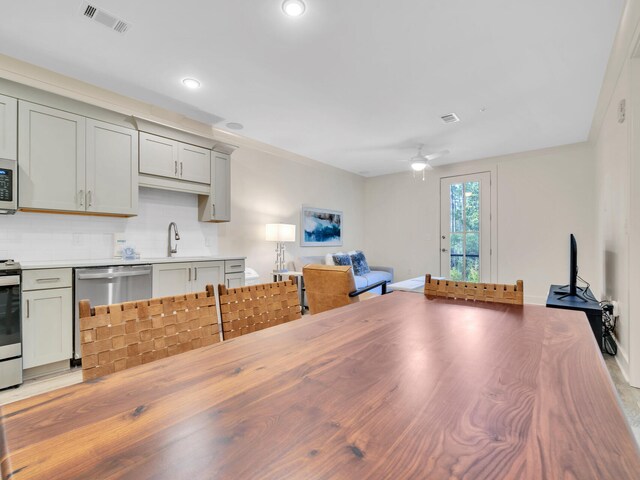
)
(10, 334)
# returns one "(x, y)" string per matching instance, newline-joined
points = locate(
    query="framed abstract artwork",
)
(320, 227)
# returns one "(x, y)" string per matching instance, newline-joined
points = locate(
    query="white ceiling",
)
(352, 83)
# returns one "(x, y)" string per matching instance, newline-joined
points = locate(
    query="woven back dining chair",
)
(333, 286)
(123, 335)
(256, 307)
(479, 292)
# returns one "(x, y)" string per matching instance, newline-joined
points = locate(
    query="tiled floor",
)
(41, 385)
(629, 396)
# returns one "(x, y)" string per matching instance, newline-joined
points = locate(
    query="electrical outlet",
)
(616, 308)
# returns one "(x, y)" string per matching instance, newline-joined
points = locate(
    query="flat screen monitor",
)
(573, 265)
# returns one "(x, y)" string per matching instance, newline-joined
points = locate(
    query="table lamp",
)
(280, 233)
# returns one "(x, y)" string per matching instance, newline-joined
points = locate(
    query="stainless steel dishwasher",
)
(106, 285)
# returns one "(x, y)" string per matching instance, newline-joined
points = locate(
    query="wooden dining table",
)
(396, 387)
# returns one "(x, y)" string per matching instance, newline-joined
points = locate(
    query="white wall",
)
(613, 157)
(267, 188)
(617, 151)
(542, 196)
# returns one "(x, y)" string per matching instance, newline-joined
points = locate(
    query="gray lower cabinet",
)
(216, 207)
(47, 317)
(234, 280)
(76, 164)
(8, 128)
(179, 278)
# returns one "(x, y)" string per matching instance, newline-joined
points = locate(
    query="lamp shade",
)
(280, 232)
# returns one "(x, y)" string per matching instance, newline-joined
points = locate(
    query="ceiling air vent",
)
(105, 18)
(450, 118)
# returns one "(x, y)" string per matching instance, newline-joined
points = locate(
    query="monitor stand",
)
(564, 294)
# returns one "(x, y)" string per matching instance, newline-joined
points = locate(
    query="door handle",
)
(181, 169)
(81, 197)
(189, 274)
(195, 273)
(444, 249)
(175, 169)
(213, 209)
(27, 308)
(90, 198)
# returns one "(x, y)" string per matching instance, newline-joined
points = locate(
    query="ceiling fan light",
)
(418, 165)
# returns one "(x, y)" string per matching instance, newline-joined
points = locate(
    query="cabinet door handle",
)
(189, 274)
(27, 308)
(90, 198)
(81, 197)
(181, 169)
(48, 280)
(195, 273)
(175, 170)
(213, 209)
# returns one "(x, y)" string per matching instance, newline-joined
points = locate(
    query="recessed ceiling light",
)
(293, 8)
(191, 83)
(235, 126)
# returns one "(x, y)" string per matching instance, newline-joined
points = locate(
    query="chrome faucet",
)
(174, 250)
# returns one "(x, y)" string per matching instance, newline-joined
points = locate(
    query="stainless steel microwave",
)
(8, 186)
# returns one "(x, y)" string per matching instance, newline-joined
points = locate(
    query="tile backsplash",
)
(41, 237)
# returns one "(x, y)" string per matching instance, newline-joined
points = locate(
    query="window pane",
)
(472, 206)
(455, 192)
(457, 264)
(456, 244)
(472, 271)
(473, 244)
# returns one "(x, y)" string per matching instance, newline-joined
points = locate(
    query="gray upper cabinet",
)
(112, 169)
(216, 207)
(8, 128)
(75, 164)
(158, 156)
(52, 159)
(194, 163)
(169, 158)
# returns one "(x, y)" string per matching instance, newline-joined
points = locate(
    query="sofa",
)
(376, 275)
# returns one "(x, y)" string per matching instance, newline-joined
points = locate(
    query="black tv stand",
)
(564, 292)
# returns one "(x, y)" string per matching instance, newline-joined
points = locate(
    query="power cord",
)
(608, 320)
(608, 326)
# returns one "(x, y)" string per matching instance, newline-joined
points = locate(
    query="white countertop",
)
(117, 261)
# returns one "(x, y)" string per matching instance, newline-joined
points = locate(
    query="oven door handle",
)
(10, 280)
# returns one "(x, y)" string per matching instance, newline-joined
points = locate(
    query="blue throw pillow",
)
(342, 259)
(360, 265)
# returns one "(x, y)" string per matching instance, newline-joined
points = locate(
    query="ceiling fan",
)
(420, 162)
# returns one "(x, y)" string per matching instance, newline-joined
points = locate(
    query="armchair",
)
(330, 287)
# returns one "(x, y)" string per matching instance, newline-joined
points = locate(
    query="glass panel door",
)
(465, 230)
